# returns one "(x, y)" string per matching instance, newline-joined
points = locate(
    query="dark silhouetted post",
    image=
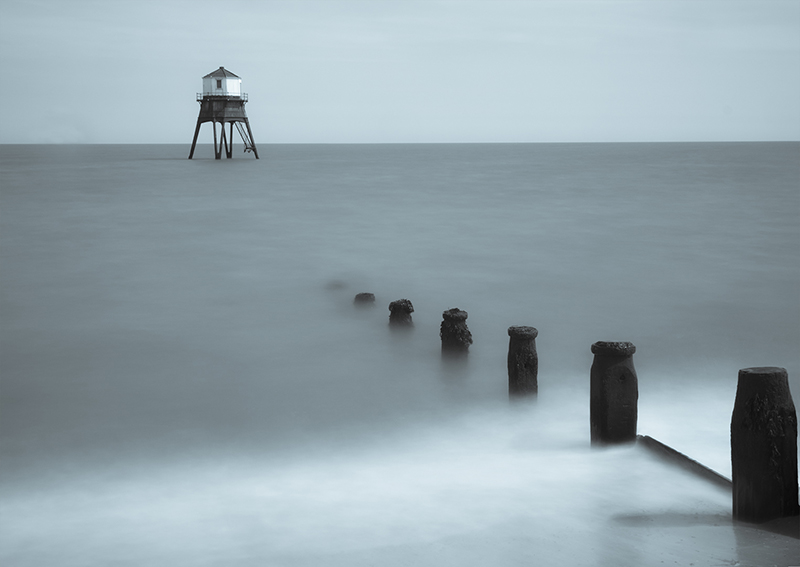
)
(455, 335)
(364, 299)
(614, 393)
(400, 312)
(764, 446)
(523, 362)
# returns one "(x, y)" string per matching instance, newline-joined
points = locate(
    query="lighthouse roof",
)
(222, 72)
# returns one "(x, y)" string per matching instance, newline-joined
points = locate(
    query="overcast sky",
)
(405, 71)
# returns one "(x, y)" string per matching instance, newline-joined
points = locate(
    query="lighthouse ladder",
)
(248, 143)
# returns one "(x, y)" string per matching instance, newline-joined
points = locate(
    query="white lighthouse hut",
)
(222, 83)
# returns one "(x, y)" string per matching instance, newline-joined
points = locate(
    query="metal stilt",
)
(194, 140)
(252, 141)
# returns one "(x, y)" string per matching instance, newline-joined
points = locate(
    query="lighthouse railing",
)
(229, 96)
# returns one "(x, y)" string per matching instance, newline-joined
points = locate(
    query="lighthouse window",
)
(219, 83)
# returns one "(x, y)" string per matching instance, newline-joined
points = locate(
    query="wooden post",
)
(454, 333)
(400, 312)
(364, 299)
(523, 361)
(614, 393)
(764, 446)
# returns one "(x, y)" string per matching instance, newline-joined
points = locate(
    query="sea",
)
(186, 380)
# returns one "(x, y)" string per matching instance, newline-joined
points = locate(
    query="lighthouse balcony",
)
(222, 96)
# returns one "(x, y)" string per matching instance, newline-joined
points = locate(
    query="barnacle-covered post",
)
(400, 312)
(454, 333)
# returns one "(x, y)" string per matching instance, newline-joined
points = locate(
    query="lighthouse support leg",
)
(216, 151)
(223, 142)
(194, 140)
(230, 141)
(252, 140)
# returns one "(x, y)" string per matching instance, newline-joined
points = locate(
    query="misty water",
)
(186, 381)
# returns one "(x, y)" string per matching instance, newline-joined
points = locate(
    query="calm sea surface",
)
(184, 374)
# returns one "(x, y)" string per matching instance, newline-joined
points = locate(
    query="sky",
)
(387, 71)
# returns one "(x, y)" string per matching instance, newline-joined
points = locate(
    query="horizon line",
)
(403, 143)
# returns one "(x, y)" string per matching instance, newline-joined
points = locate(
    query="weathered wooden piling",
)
(454, 333)
(400, 312)
(523, 361)
(764, 446)
(364, 299)
(614, 393)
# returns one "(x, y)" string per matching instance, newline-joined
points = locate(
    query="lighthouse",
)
(222, 101)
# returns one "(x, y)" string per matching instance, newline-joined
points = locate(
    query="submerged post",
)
(454, 333)
(364, 299)
(400, 312)
(614, 393)
(764, 446)
(523, 362)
